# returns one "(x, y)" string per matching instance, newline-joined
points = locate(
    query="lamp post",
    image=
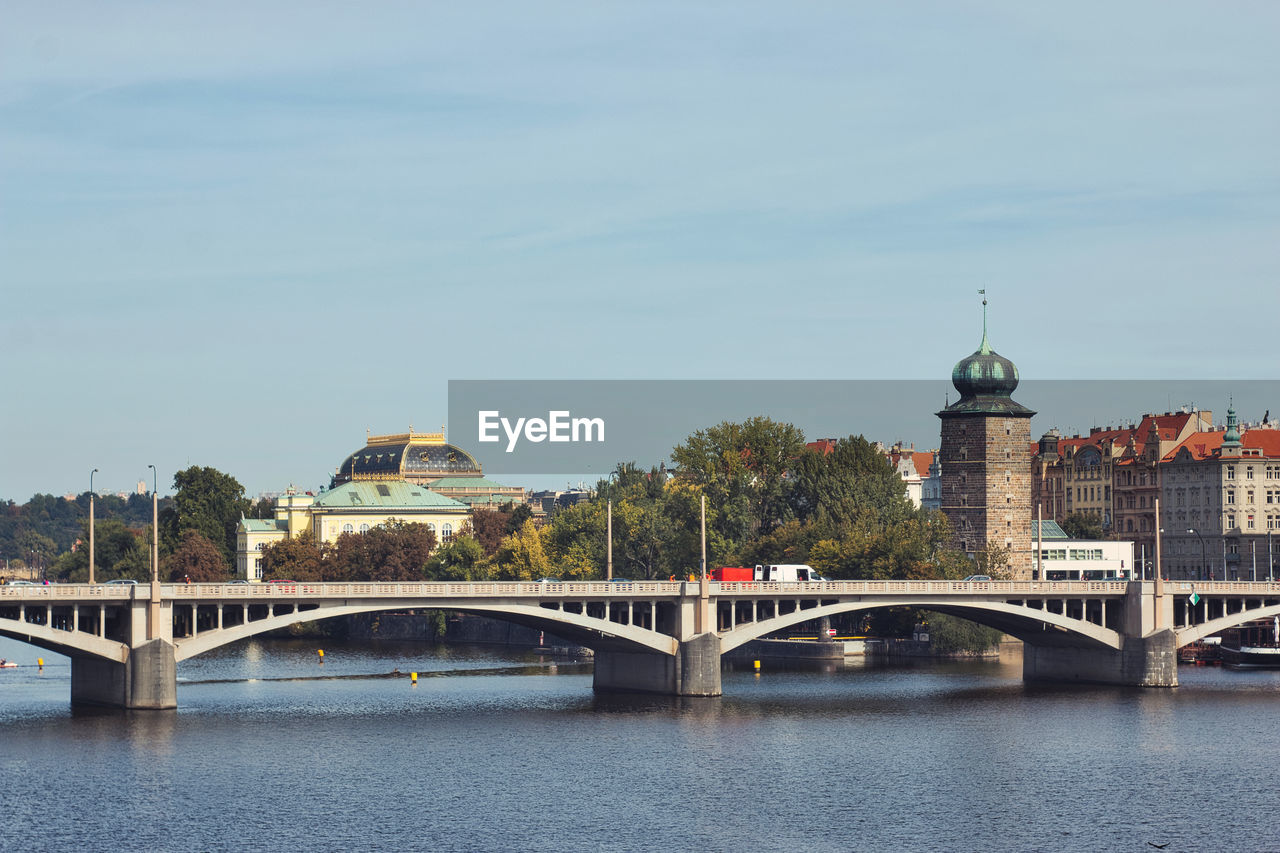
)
(91, 473)
(155, 529)
(1203, 556)
(608, 535)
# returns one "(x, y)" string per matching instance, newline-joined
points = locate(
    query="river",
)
(496, 750)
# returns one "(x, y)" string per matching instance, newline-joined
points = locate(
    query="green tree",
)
(743, 468)
(461, 559)
(206, 501)
(1083, 525)
(196, 559)
(950, 634)
(852, 482)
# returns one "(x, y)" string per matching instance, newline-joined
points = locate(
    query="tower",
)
(986, 459)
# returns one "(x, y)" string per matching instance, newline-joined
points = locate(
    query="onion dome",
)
(986, 373)
(986, 381)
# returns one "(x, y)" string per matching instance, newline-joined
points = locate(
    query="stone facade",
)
(986, 485)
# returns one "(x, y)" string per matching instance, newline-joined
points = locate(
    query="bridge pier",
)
(1150, 661)
(693, 671)
(147, 679)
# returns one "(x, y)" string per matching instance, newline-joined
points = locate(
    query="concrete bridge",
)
(666, 637)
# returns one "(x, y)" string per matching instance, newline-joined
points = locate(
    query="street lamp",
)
(91, 473)
(608, 566)
(1203, 557)
(155, 530)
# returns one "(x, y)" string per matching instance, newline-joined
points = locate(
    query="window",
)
(364, 528)
(431, 525)
(1250, 522)
(347, 528)
(446, 532)
(1231, 496)
(1248, 473)
(1231, 472)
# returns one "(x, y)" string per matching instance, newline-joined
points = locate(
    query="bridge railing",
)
(421, 589)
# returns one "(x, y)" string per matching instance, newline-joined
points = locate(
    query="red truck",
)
(729, 574)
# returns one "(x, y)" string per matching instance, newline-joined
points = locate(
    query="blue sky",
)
(240, 234)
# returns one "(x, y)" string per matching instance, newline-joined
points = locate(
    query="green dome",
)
(986, 373)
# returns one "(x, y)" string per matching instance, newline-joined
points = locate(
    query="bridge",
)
(125, 641)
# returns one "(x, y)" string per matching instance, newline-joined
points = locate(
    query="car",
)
(548, 580)
(978, 578)
(621, 580)
(238, 580)
(20, 583)
(122, 581)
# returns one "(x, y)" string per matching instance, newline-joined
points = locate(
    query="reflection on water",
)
(500, 750)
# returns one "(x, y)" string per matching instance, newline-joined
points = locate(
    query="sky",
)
(242, 234)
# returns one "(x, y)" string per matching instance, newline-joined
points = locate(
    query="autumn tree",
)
(394, 551)
(521, 556)
(297, 559)
(197, 559)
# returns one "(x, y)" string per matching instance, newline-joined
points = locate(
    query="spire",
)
(1231, 438)
(985, 349)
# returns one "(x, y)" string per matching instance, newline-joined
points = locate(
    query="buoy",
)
(40, 662)
(321, 653)
(413, 677)
(756, 664)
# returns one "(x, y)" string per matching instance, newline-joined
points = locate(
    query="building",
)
(986, 460)
(1063, 558)
(426, 459)
(1110, 473)
(1220, 503)
(352, 507)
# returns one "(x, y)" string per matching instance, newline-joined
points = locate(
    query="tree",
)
(1083, 525)
(297, 559)
(197, 559)
(461, 559)
(488, 526)
(209, 502)
(521, 556)
(743, 468)
(853, 481)
(394, 551)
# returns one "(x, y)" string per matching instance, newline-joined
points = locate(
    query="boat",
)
(1255, 645)
(7, 664)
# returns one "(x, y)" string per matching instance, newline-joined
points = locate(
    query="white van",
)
(787, 572)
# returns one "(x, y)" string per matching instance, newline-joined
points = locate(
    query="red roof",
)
(1207, 445)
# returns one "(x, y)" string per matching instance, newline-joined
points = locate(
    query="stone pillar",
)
(693, 671)
(1142, 662)
(148, 679)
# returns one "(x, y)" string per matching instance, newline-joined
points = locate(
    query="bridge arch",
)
(1192, 633)
(592, 632)
(59, 641)
(1026, 623)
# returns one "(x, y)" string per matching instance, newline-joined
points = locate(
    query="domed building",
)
(986, 459)
(426, 459)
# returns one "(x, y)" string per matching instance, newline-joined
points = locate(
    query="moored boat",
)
(1255, 645)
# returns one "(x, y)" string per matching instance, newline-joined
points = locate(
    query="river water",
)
(496, 750)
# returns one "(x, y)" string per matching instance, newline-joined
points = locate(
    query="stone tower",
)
(986, 459)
